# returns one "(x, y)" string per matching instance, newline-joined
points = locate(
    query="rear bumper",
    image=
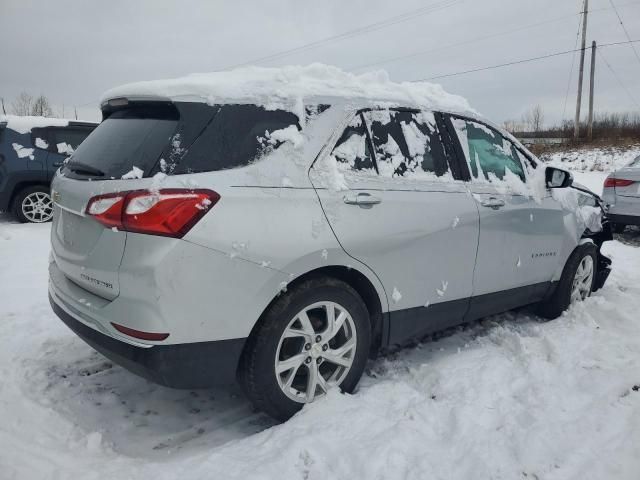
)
(623, 219)
(186, 365)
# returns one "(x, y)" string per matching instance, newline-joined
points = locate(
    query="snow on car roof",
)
(291, 87)
(24, 124)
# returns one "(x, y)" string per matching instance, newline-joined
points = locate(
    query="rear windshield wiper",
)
(79, 167)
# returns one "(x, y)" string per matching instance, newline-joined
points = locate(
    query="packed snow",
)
(599, 159)
(24, 124)
(288, 87)
(510, 397)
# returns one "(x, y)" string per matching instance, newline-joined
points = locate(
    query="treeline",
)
(606, 126)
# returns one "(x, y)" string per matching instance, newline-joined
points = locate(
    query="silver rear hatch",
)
(85, 251)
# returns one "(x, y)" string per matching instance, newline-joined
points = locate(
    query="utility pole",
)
(591, 87)
(576, 125)
(75, 109)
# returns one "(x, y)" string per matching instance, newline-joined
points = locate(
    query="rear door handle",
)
(492, 202)
(364, 200)
(57, 164)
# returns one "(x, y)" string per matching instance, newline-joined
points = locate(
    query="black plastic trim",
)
(185, 365)
(410, 323)
(623, 219)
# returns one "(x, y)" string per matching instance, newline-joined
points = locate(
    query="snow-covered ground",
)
(589, 159)
(510, 397)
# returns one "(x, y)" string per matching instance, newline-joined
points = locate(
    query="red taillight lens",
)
(154, 337)
(617, 182)
(170, 212)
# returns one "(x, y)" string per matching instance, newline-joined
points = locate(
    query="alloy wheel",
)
(316, 351)
(37, 207)
(583, 280)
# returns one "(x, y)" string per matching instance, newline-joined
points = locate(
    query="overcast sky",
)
(72, 51)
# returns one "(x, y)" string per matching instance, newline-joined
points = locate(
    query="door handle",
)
(492, 202)
(57, 164)
(364, 200)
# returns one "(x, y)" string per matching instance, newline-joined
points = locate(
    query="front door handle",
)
(492, 202)
(364, 200)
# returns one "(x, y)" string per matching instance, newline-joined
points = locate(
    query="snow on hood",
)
(288, 87)
(25, 124)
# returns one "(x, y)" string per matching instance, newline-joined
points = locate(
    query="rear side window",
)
(67, 140)
(407, 143)
(236, 136)
(126, 139)
(352, 150)
(489, 155)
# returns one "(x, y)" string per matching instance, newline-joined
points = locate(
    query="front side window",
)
(406, 143)
(489, 155)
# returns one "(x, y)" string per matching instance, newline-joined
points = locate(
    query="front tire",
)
(313, 338)
(33, 205)
(576, 282)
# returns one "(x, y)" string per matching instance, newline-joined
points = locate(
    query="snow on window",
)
(40, 143)
(407, 144)
(23, 151)
(65, 148)
(135, 172)
(289, 134)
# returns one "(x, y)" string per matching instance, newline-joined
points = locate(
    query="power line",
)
(624, 29)
(459, 44)
(573, 64)
(516, 62)
(485, 37)
(618, 78)
(410, 15)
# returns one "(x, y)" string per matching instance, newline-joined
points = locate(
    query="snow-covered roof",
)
(293, 86)
(24, 124)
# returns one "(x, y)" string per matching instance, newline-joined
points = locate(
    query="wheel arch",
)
(362, 285)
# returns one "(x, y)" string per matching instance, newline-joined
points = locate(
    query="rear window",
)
(181, 138)
(127, 138)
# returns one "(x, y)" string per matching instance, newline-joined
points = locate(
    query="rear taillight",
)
(617, 182)
(169, 212)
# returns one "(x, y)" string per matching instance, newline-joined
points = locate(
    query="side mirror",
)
(557, 178)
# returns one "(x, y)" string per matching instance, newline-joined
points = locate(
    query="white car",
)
(282, 226)
(621, 193)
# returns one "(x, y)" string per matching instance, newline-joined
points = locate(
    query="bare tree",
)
(41, 107)
(22, 104)
(537, 118)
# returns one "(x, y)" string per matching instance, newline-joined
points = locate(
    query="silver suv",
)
(199, 241)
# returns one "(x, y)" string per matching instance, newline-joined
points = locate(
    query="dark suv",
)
(31, 150)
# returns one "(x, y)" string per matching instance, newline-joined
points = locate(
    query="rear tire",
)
(576, 282)
(33, 205)
(320, 327)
